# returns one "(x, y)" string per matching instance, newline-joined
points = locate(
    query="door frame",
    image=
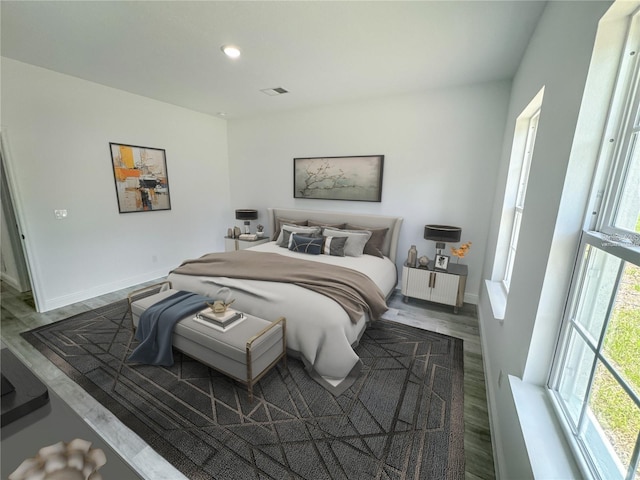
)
(11, 206)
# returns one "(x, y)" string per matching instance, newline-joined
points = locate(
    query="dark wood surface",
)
(52, 422)
(22, 391)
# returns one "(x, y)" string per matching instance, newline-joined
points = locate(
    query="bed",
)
(319, 330)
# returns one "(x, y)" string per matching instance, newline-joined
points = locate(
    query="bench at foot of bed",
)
(245, 351)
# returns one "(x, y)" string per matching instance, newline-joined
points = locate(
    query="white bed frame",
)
(390, 246)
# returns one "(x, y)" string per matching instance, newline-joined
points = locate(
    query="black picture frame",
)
(141, 178)
(441, 262)
(355, 178)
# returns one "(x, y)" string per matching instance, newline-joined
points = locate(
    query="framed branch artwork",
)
(141, 179)
(339, 178)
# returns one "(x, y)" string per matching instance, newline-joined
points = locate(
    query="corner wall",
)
(58, 130)
(558, 61)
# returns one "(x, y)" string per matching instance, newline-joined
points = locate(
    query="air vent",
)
(272, 92)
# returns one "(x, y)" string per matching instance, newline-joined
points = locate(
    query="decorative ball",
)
(423, 261)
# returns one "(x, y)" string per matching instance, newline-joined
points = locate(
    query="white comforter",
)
(317, 327)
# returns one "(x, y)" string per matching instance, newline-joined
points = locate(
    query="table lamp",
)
(246, 215)
(442, 234)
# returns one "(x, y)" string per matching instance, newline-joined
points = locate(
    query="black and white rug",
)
(401, 419)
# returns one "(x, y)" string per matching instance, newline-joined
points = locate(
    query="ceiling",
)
(321, 52)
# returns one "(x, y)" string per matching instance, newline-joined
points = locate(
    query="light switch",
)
(60, 214)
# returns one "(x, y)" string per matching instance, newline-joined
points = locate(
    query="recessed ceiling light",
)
(221, 114)
(231, 51)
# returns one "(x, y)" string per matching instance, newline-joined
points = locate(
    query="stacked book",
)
(248, 236)
(220, 321)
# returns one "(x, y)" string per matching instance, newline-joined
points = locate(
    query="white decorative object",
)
(75, 460)
(225, 292)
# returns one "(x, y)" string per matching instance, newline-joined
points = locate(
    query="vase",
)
(412, 257)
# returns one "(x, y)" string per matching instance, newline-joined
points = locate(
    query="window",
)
(596, 375)
(524, 137)
(525, 161)
(598, 382)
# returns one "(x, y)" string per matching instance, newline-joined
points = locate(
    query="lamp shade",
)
(246, 214)
(442, 233)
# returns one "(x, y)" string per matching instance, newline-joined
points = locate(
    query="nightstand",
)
(232, 244)
(435, 285)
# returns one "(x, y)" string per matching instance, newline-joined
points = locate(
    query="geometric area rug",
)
(401, 419)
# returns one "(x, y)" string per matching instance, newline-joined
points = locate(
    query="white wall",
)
(559, 62)
(58, 130)
(441, 150)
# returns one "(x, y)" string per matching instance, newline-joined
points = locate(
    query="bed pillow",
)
(313, 223)
(356, 240)
(280, 221)
(287, 230)
(334, 246)
(376, 242)
(301, 244)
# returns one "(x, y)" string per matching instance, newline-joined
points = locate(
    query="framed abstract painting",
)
(140, 174)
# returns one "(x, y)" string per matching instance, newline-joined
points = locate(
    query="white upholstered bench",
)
(245, 352)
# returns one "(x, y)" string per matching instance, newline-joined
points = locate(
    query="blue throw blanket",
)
(155, 328)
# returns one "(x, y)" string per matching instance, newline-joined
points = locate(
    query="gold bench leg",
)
(250, 382)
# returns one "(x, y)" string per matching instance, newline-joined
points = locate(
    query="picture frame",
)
(355, 178)
(441, 262)
(141, 178)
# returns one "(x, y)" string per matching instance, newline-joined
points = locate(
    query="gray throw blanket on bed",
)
(156, 324)
(354, 291)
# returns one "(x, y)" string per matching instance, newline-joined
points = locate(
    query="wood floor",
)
(18, 315)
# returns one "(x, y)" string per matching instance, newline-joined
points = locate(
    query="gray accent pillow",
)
(313, 223)
(334, 246)
(287, 230)
(301, 244)
(375, 243)
(280, 221)
(356, 240)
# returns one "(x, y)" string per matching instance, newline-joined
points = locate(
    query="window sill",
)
(549, 453)
(497, 299)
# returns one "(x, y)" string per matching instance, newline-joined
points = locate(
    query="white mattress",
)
(318, 329)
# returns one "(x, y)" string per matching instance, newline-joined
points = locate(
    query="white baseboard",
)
(494, 428)
(472, 298)
(11, 281)
(53, 303)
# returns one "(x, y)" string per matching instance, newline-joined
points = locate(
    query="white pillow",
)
(356, 240)
(283, 240)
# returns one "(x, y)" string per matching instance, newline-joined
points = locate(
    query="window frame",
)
(600, 242)
(624, 110)
(600, 232)
(518, 208)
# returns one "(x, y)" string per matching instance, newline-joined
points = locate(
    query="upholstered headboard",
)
(390, 246)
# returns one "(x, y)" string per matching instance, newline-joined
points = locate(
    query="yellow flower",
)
(461, 251)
